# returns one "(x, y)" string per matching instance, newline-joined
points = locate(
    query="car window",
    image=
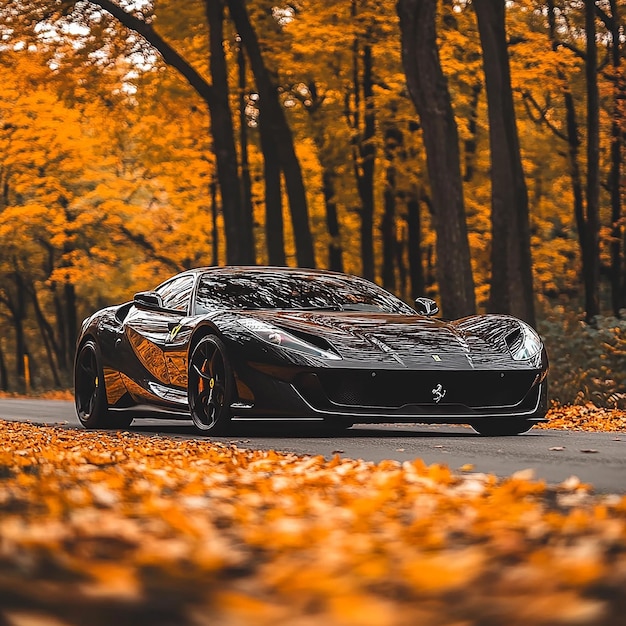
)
(176, 293)
(279, 290)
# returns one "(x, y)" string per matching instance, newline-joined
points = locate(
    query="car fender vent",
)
(320, 342)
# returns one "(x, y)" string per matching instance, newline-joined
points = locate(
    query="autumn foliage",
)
(587, 418)
(111, 134)
(127, 528)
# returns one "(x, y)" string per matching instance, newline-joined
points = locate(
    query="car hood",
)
(399, 340)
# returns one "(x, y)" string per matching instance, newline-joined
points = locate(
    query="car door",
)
(154, 335)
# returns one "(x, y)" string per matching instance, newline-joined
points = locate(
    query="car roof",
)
(260, 269)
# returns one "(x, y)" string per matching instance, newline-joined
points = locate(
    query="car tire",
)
(90, 398)
(501, 427)
(210, 386)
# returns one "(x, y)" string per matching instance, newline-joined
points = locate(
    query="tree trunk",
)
(366, 164)
(47, 336)
(416, 265)
(393, 140)
(573, 143)
(363, 147)
(471, 141)
(335, 251)
(325, 149)
(617, 296)
(4, 378)
(18, 311)
(61, 329)
(240, 238)
(215, 255)
(71, 321)
(511, 266)
(402, 290)
(20, 353)
(591, 272)
(278, 129)
(246, 183)
(274, 226)
(388, 229)
(429, 91)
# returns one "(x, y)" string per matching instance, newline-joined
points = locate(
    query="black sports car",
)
(220, 343)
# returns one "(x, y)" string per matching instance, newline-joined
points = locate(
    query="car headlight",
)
(278, 337)
(523, 343)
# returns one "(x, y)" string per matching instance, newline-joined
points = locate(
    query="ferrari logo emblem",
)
(438, 393)
(212, 383)
(436, 357)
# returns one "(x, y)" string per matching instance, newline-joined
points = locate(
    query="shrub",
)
(587, 362)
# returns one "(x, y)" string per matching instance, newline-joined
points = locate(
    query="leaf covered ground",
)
(586, 417)
(123, 528)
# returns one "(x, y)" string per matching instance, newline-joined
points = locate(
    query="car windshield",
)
(300, 291)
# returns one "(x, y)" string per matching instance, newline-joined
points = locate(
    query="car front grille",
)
(395, 389)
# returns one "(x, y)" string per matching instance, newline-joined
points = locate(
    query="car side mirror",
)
(148, 300)
(426, 306)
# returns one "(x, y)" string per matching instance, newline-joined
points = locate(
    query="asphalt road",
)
(554, 455)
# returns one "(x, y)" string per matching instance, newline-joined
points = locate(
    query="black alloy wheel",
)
(90, 394)
(210, 386)
(501, 427)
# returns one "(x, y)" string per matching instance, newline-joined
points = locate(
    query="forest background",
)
(470, 152)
